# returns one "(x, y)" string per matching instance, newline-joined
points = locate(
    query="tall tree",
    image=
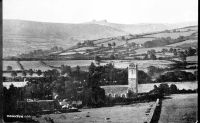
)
(14, 74)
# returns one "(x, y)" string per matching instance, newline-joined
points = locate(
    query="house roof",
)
(115, 89)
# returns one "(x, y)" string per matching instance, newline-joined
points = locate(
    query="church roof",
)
(115, 89)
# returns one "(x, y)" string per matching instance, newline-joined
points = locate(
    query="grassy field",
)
(134, 113)
(13, 64)
(157, 49)
(192, 58)
(181, 108)
(173, 35)
(140, 40)
(35, 65)
(184, 42)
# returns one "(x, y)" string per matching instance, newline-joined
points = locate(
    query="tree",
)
(171, 50)
(97, 59)
(164, 88)
(182, 56)
(66, 69)
(23, 73)
(112, 57)
(92, 68)
(175, 52)
(39, 72)
(191, 51)
(94, 96)
(143, 77)
(109, 45)
(30, 72)
(123, 38)
(173, 89)
(164, 50)
(133, 44)
(77, 71)
(152, 56)
(9, 68)
(79, 44)
(114, 44)
(13, 73)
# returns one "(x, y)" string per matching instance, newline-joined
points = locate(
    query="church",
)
(122, 90)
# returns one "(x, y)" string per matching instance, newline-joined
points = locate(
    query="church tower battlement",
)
(133, 77)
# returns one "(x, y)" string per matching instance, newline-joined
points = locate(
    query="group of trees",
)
(164, 41)
(165, 89)
(110, 45)
(86, 43)
(176, 76)
(25, 72)
(150, 55)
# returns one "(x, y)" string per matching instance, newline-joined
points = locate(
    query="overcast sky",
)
(116, 11)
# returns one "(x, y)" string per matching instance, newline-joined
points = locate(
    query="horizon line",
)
(103, 20)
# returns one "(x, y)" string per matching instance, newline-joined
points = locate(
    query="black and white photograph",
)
(99, 61)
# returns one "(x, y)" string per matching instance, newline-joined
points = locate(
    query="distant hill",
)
(21, 36)
(144, 27)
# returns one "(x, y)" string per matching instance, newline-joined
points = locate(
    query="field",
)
(26, 44)
(117, 114)
(173, 35)
(181, 108)
(72, 63)
(180, 85)
(35, 65)
(85, 48)
(192, 59)
(157, 49)
(13, 64)
(184, 42)
(140, 40)
(117, 42)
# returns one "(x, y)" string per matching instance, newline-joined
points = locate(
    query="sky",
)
(116, 11)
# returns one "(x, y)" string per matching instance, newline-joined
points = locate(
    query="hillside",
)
(24, 36)
(143, 27)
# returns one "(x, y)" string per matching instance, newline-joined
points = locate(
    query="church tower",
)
(133, 77)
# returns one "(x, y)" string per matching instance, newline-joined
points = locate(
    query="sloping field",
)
(13, 64)
(187, 45)
(157, 49)
(190, 28)
(72, 63)
(26, 44)
(84, 48)
(102, 40)
(142, 64)
(181, 108)
(117, 42)
(140, 40)
(173, 35)
(116, 114)
(35, 65)
(184, 42)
